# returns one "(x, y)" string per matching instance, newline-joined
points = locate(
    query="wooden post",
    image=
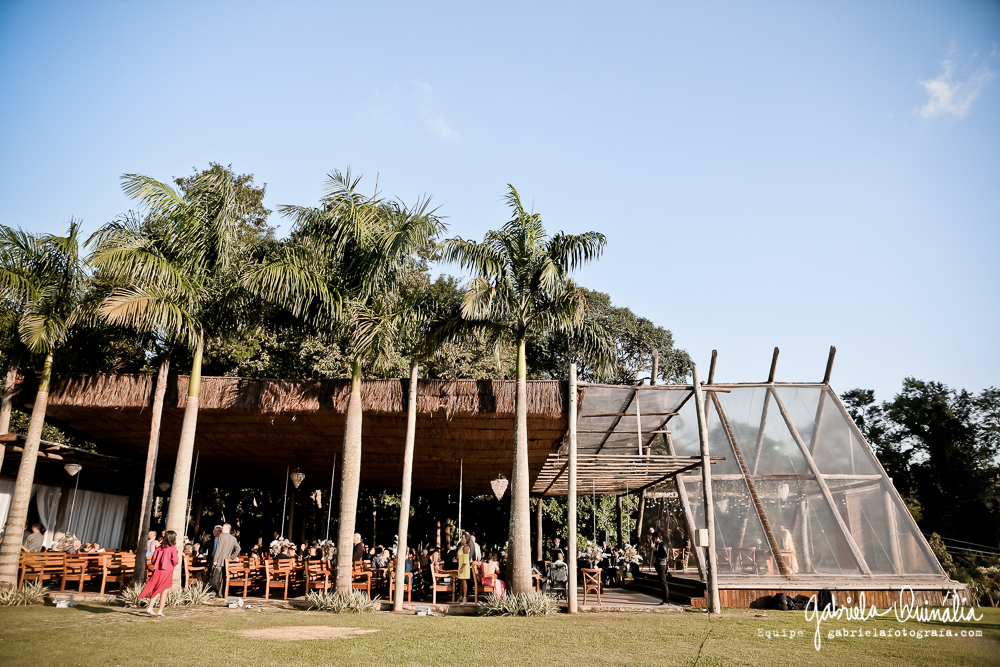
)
(404, 499)
(638, 520)
(714, 606)
(618, 522)
(538, 530)
(571, 494)
(291, 516)
(688, 513)
(829, 365)
(711, 368)
(638, 421)
(774, 366)
(150, 479)
(655, 370)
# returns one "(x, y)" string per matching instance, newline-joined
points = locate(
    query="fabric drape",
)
(98, 517)
(6, 494)
(47, 502)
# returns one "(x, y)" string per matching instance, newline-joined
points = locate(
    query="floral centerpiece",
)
(630, 555)
(279, 544)
(64, 542)
(595, 553)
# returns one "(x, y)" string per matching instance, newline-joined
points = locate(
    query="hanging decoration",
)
(783, 491)
(73, 468)
(297, 477)
(499, 486)
(164, 486)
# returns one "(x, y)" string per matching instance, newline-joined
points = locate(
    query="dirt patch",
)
(305, 632)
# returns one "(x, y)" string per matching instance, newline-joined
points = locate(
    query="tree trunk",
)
(349, 482)
(404, 498)
(148, 483)
(519, 550)
(10, 549)
(177, 512)
(8, 400)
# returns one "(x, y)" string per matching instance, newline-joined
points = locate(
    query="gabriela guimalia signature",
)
(910, 610)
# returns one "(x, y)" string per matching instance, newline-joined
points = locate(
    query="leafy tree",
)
(346, 269)
(521, 287)
(44, 276)
(634, 340)
(175, 273)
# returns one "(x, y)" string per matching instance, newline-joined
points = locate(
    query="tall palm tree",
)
(345, 268)
(177, 275)
(520, 287)
(45, 275)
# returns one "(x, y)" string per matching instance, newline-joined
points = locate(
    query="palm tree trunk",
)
(8, 400)
(404, 498)
(520, 506)
(349, 482)
(177, 513)
(10, 549)
(150, 479)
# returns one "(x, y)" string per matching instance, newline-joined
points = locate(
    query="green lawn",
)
(98, 634)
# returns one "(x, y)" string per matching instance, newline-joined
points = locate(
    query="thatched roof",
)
(251, 429)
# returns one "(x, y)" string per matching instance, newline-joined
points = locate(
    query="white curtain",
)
(6, 495)
(47, 502)
(97, 517)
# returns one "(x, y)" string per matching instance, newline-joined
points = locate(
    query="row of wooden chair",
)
(747, 560)
(49, 567)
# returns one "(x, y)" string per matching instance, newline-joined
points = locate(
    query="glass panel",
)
(739, 538)
(837, 448)
(684, 433)
(805, 528)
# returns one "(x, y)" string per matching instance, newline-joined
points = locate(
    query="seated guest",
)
(491, 574)
(76, 548)
(285, 553)
(380, 558)
(34, 540)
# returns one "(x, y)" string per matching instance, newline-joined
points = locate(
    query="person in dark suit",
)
(557, 548)
(221, 547)
(359, 548)
(661, 559)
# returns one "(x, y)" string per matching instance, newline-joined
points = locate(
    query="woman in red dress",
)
(164, 562)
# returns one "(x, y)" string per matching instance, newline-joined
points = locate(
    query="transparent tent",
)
(799, 496)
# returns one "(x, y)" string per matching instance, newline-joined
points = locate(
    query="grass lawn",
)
(100, 634)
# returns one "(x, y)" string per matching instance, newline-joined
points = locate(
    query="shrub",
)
(354, 602)
(197, 593)
(31, 593)
(525, 604)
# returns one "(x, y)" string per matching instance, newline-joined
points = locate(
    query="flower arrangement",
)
(279, 544)
(595, 553)
(329, 550)
(630, 555)
(64, 543)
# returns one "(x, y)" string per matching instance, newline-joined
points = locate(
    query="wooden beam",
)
(774, 366)
(712, 584)
(711, 368)
(829, 365)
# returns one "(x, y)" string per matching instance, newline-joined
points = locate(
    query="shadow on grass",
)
(91, 609)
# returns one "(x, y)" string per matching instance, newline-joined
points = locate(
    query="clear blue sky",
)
(791, 174)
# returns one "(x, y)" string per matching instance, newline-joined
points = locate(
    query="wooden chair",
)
(361, 578)
(746, 560)
(41, 566)
(117, 568)
(678, 558)
(193, 568)
(725, 558)
(536, 582)
(318, 576)
(438, 583)
(483, 587)
(407, 585)
(591, 583)
(236, 575)
(82, 568)
(278, 574)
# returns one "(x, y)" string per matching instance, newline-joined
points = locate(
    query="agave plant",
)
(31, 593)
(354, 602)
(197, 593)
(522, 604)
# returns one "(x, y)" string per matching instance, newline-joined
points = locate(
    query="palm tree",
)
(177, 275)
(345, 269)
(45, 276)
(521, 287)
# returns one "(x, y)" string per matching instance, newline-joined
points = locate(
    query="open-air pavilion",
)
(798, 501)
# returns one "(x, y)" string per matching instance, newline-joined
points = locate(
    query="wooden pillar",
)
(618, 522)
(711, 561)
(447, 533)
(404, 498)
(291, 516)
(540, 547)
(152, 451)
(571, 494)
(638, 520)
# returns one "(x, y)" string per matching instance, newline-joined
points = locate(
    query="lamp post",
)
(374, 526)
(74, 471)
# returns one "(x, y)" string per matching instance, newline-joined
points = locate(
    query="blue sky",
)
(791, 174)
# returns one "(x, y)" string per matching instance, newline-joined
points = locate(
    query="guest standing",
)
(661, 558)
(220, 548)
(464, 571)
(164, 561)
